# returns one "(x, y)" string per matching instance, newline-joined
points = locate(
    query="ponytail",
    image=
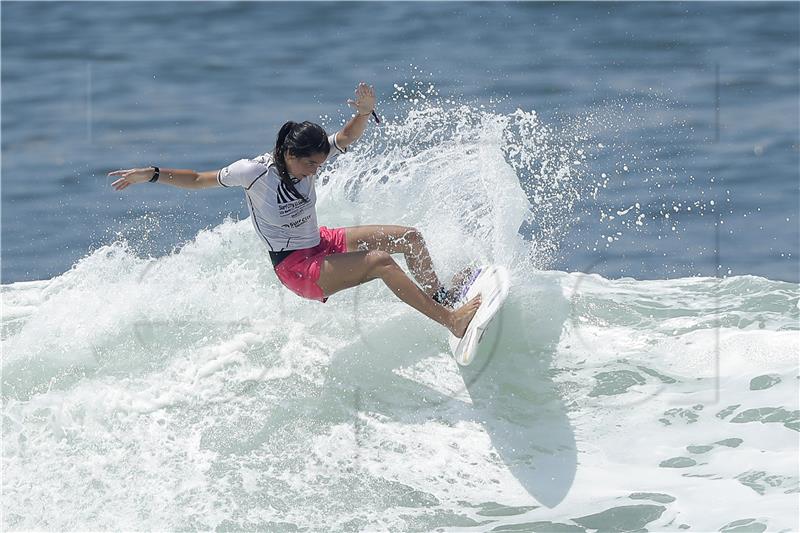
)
(302, 139)
(279, 156)
(280, 148)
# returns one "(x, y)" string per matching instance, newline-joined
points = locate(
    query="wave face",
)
(192, 391)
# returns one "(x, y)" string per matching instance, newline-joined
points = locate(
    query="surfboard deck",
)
(492, 282)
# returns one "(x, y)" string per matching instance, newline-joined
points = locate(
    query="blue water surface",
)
(698, 100)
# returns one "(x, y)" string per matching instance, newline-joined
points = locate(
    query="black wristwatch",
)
(155, 175)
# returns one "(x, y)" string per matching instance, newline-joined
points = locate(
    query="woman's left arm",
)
(365, 105)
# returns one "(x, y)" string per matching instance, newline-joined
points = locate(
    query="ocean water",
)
(634, 166)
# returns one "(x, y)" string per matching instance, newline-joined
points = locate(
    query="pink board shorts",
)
(299, 271)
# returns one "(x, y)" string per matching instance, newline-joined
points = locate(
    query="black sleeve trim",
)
(219, 178)
(336, 145)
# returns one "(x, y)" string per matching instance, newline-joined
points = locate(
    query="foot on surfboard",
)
(463, 315)
(492, 283)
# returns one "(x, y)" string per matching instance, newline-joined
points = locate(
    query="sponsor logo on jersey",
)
(286, 196)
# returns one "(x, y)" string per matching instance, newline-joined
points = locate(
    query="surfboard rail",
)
(492, 282)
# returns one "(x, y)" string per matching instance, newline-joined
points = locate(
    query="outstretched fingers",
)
(130, 176)
(364, 94)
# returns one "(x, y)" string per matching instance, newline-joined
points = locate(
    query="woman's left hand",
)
(365, 99)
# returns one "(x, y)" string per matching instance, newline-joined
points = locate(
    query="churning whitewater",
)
(193, 391)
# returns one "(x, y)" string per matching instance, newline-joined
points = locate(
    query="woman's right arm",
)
(184, 179)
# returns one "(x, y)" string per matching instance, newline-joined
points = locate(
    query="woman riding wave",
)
(315, 261)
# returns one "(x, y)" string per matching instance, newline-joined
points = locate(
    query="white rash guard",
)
(283, 221)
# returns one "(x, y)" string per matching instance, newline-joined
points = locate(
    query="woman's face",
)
(305, 166)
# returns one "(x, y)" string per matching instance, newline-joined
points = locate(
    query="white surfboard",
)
(492, 284)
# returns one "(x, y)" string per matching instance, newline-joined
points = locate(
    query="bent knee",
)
(413, 234)
(414, 238)
(380, 260)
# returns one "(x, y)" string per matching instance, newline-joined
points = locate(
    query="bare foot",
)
(463, 315)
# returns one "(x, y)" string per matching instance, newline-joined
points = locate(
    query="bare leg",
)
(397, 240)
(342, 271)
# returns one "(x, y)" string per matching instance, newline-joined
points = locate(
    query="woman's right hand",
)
(365, 99)
(131, 176)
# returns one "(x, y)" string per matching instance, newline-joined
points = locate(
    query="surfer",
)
(315, 261)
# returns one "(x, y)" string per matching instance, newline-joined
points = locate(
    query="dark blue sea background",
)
(699, 101)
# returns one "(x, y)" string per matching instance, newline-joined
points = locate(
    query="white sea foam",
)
(194, 391)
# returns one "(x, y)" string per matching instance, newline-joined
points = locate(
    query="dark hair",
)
(303, 139)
